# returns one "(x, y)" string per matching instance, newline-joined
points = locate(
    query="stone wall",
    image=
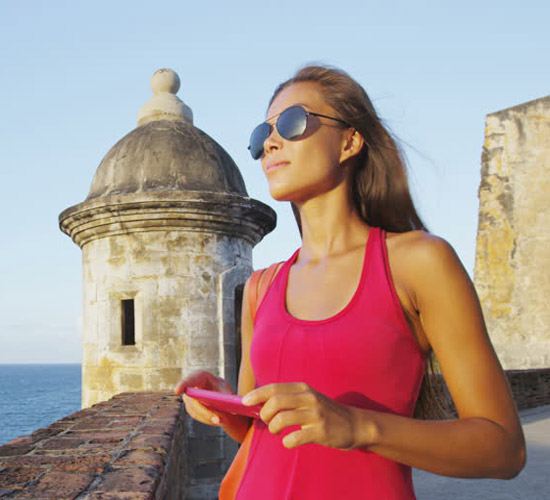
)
(512, 267)
(531, 388)
(132, 446)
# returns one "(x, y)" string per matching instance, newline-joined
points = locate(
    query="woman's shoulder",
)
(274, 266)
(420, 246)
(423, 260)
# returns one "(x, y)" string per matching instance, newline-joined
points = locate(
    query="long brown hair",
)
(379, 188)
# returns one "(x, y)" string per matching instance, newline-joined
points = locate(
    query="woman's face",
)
(313, 166)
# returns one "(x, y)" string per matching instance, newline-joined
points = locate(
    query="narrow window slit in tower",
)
(128, 323)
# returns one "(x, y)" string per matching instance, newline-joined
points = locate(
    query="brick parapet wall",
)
(138, 446)
(131, 446)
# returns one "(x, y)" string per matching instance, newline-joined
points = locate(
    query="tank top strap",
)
(377, 267)
(372, 262)
(271, 281)
(380, 277)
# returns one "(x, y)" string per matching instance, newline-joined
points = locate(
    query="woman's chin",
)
(281, 195)
(284, 193)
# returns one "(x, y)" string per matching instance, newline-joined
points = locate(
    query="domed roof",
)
(166, 155)
(166, 152)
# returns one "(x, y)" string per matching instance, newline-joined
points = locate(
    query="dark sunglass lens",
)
(292, 122)
(257, 139)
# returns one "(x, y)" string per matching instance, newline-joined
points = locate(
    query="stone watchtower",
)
(166, 233)
(512, 268)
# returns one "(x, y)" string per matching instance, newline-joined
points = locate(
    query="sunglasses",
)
(291, 125)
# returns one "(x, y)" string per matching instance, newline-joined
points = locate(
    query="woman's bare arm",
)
(487, 439)
(236, 426)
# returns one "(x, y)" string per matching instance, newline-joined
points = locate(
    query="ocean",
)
(34, 396)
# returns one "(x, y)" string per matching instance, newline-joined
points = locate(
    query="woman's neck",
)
(329, 229)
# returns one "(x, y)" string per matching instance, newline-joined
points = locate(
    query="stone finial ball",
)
(165, 80)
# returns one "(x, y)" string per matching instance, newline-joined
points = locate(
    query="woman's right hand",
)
(202, 379)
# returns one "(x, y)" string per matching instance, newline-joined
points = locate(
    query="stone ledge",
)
(121, 448)
(201, 211)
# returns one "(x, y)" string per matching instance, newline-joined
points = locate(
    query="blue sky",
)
(74, 75)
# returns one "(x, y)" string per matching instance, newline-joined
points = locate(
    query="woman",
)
(344, 334)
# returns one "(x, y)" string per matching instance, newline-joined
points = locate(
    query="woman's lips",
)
(274, 166)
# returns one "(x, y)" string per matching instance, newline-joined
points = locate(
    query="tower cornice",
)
(200, 211)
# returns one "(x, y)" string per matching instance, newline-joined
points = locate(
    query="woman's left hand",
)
(322, 419)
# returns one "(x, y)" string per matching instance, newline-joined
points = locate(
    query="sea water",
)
(34, 396)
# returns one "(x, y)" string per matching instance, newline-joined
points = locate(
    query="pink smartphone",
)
(229, 403)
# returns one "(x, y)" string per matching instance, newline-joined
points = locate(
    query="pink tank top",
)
(365, 356)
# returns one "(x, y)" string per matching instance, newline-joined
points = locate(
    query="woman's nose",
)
(273, 140)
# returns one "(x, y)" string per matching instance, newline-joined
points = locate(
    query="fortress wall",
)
(131, 446)
(512, 268)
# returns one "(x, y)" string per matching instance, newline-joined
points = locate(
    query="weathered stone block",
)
(512, 259)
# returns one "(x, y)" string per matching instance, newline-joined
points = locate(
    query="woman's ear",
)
(352, 145)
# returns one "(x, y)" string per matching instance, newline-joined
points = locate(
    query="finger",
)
(194, 379)
(262, 394)
(196, 407)
(198, 378)
(200, 412)
(298, 438)
(281, 402)
(285, 419)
